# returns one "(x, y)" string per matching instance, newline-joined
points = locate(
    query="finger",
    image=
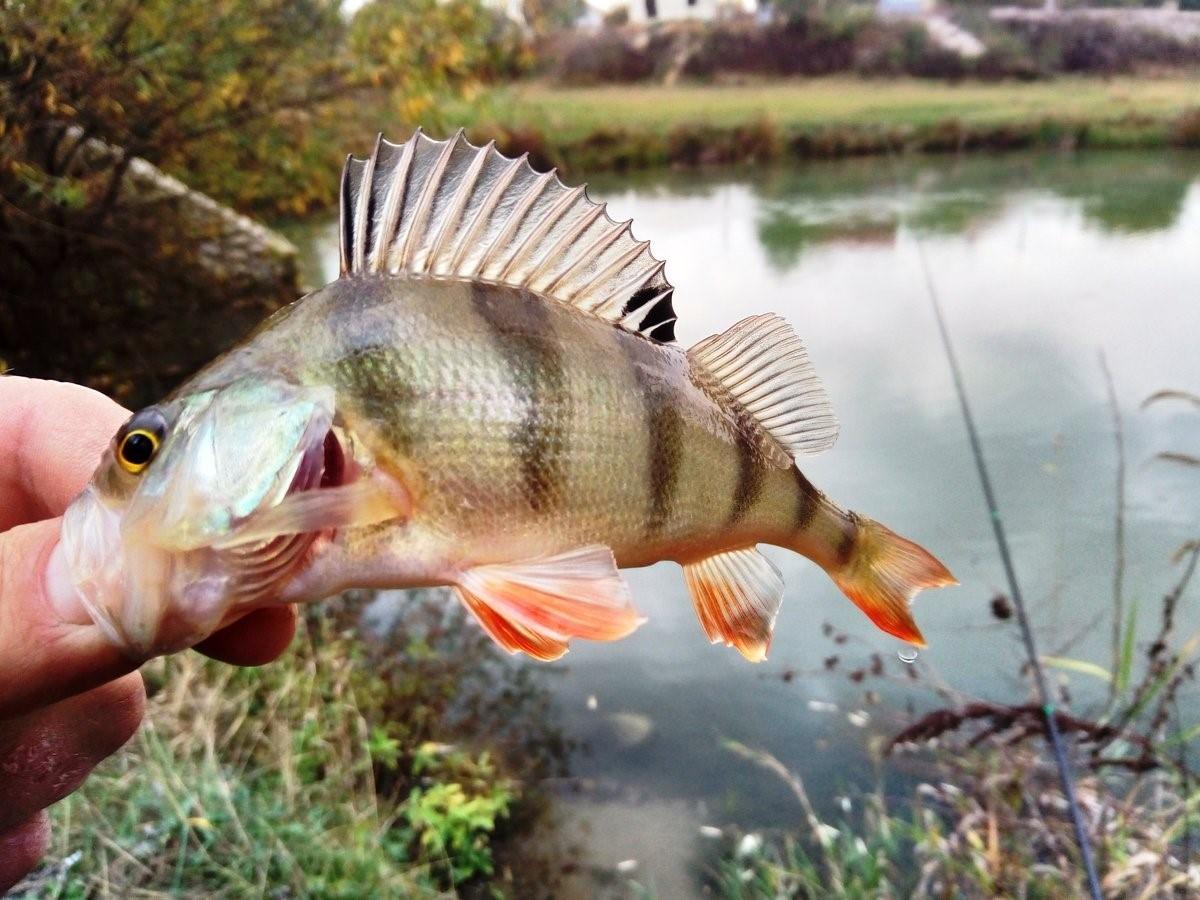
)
(258, 638)
(47, 651)
(53, 435)
(21, 848)
(47, 754)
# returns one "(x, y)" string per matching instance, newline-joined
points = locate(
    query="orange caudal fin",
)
(884, 573)
(536, 606)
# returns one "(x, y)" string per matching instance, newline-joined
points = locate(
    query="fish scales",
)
(489, 397)
(514, 437)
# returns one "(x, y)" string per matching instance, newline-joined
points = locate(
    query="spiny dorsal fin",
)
(762, 364)
(453, 210)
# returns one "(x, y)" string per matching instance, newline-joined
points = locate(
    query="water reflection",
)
(1041, 261)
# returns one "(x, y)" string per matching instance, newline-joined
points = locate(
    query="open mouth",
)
(262, 566)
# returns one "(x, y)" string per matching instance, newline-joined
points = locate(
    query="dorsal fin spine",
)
(515, 218)
(593, 250)
(616, 297)
(549, 220)
(608, 271)
(425, 201)
(394, 201)
(345, 207)
(485, 210)
(459, 203)
(568, 237)
(362, 211)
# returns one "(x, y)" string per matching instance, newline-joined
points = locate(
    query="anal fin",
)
(737, 595)
(536, 606)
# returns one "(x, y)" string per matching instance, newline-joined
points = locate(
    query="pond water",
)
(1042, 263)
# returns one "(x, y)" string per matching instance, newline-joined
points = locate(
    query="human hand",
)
(68, 698)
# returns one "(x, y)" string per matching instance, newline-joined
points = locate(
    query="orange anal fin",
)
(737, 596)
(536, 606)
(885, 573)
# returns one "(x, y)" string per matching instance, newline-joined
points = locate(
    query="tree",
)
(249, 101)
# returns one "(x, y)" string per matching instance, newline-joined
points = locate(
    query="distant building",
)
(645, 12)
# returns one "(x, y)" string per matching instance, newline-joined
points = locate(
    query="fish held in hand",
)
(489, 397)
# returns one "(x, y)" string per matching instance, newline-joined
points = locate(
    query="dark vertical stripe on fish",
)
(808, 498)
(666, 453)
(845, 550)
(664, 429)
(750, 470)
(523, 331)
(376, 384)
(372, 372)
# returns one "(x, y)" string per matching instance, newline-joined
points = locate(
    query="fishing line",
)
(1048, 712)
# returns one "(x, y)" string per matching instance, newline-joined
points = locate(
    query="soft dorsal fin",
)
(763, 365)
(453, 210)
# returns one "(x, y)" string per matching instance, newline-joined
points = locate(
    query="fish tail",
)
(881, 572)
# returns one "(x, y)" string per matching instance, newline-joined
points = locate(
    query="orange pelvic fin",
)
(884, 573)
(737, 596)
(536, 606)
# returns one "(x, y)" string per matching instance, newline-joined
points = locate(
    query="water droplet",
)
(908, 655)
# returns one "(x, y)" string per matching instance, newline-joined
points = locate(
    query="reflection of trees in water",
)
(1131, 195)
(858, 201)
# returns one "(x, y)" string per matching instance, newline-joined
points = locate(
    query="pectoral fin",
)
(536, 606)
(737, 596)
(366, 502)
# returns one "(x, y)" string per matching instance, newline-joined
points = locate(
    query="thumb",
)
(49, 647)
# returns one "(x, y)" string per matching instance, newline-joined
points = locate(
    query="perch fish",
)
(489, 397)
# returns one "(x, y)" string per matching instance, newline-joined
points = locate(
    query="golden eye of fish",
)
(137, 449)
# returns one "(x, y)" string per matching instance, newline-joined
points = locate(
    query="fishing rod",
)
(1049, 714)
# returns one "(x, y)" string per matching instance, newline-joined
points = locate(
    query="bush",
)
(1087, 45)
(850, 38)
(603, 56)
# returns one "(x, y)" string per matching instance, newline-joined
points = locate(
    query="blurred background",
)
(168, 176)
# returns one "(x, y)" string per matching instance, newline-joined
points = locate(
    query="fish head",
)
(152, 543)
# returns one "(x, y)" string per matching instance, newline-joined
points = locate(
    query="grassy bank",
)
(356, 766)
(631, 126)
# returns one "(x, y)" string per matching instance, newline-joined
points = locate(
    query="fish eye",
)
(139, 440)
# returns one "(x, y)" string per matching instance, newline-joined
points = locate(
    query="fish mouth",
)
(260, 568)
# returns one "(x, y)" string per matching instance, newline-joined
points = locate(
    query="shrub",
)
(606, 55)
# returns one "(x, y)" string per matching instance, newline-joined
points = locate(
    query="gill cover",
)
(141, 548)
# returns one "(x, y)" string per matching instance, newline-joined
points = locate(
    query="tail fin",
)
(883, 575)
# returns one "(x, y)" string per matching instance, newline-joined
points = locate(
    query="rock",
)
(240, 254)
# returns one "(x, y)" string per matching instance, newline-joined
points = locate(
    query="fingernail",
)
(61, 590)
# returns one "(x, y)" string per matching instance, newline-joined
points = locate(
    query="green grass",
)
(567, 114)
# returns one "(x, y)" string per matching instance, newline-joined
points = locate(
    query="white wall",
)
(671, 10)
